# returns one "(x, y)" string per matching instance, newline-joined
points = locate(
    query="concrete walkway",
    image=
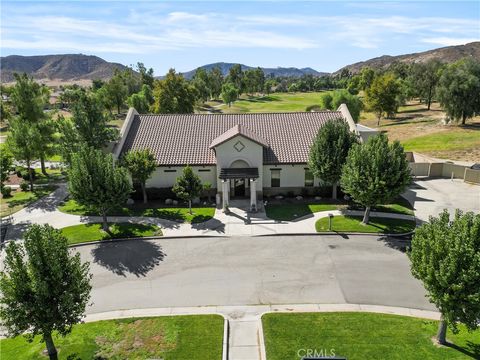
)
(237, 222)
(246, 334)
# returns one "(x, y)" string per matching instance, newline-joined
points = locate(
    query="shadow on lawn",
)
(137, 257)
(472, 350)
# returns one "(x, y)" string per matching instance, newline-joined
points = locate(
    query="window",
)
(275, 182)
(170, 170)
(204, 170)
(308, 178)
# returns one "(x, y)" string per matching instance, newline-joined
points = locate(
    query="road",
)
(251, 270)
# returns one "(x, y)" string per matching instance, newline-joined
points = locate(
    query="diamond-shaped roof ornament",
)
(239, 146)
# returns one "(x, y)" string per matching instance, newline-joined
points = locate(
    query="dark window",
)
(171, 170)
(204, 170)
(308, 178)
(275, 182)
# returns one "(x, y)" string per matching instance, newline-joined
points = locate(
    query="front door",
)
(239, 188)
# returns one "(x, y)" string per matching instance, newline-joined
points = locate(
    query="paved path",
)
(236, 223)
(245, 322)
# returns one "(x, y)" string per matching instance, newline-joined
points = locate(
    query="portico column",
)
(225, 195)
(253, 194)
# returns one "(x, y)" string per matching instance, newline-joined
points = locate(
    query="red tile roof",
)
(180, 139)
(238, 129)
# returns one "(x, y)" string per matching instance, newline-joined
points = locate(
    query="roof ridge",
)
(249, 113)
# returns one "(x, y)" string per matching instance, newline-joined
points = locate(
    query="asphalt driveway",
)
(251, 270)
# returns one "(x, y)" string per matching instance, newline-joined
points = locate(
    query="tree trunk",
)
(190, 206)
(105, 223)
(144, 192)
(442, 332)
(52, 351)
(429, 100)
(378, 120)
(366, 216)
(118, 109)
(30, 175)
(464, 118)
(42, 164)
(334, 191)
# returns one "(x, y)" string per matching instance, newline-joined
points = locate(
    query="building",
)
(241, 155)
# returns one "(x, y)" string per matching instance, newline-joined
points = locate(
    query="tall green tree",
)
(215, 82)
(333, 99)
(95, 181)
(445, 256)
(117, 91)
(44, 288)
(329, 151)
(236, 77)
(229, 93)
(201, 84)
(458, 89)
(22, 142)
(173, 95)
(141, 164)
(6, 161)
(188, 186)
(382, 96)
(142, 100)
(30, 99)
(90, 123)
(375, 173)
(146, 75)
(424, 79)
(367, 75)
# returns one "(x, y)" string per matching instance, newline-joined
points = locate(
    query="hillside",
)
(446, 54)
(279, 71)
(67, 67)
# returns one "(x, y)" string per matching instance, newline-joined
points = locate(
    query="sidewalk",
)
(246, 335)
(235, 223)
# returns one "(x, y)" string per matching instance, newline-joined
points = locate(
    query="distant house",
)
(241, 155)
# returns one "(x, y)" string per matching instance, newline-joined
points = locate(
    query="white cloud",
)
(447, 41)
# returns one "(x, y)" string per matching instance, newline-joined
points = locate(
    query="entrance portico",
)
(230, 176)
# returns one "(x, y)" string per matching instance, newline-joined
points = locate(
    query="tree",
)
(142, 100)
(215, 82)
(30, 99)
(6, 162)
(445, 256)
(329, 151)
(353, 102)
(173, 95)
(381, 96)
(188, 186)
(23, 143)
(367, 74)
(229, 93)
(326, 101)
(424, 78)
(141, 164)
(117, 91)
(146, 76)
(43, 287)
(458, 89)
(95, 181)
(90, 122)
(236, 77)
(200, 83)
(375, 172)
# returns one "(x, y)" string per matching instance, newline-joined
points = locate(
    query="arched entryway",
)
(239, 180)
(239, 187)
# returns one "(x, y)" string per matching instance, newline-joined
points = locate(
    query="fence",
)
(447, 170)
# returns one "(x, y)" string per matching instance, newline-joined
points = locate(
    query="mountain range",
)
(73, 67)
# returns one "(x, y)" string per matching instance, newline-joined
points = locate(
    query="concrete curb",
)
(335, 233)
(226, 338)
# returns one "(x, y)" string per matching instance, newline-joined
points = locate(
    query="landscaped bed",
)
(94, 232)
(19, 199)
(360, 336)
(179, 214)
(170, 337)
(346, 223)
(289, 210)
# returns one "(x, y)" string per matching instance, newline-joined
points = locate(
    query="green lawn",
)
(278, 102)
(453, 139)
(53, 176)
(20, 199)
(179, 214)
(292, 211)
(375, 225)
(169, 338)
(361, 336)
(289, 212)
(93, 232)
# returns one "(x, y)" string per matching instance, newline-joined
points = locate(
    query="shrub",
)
(6, 191)
(314, 108)
(22, 172)
(24, 185)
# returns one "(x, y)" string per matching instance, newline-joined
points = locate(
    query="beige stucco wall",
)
(162, 179)
(252, 154)
(290, 175)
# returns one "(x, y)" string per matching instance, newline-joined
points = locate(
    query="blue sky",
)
(184, 35)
